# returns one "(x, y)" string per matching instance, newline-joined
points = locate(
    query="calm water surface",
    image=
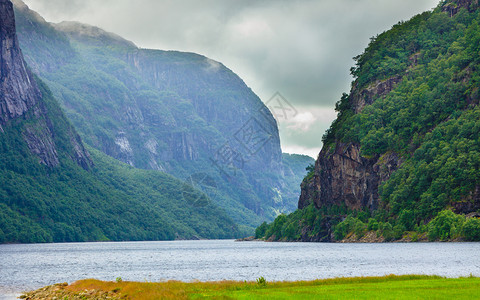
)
(27, 267)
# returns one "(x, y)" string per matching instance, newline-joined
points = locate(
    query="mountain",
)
(54, 189)
(181, 113)
(402, 158)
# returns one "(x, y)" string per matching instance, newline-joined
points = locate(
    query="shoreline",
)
(369, 238)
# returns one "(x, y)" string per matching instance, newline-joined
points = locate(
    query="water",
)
(27, 267)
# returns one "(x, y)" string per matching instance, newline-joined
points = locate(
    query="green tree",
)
(471, 229)
(445, 225)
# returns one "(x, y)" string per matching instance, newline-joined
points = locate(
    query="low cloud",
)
(302, 122)
(212, 66)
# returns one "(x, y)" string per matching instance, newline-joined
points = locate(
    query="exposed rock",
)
(80, 154)
(345, 177)
(373, 237)
(454, 6)
(380, 88)
(369, 237)
(18, 90)
(473, 215)
(342, 175)
(470, 203)
(61, 291)
(20, 97)
(125, 152)
(40, 142)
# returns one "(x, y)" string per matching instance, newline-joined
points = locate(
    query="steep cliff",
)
(20, 97)
(53, 190)
(342, 174)
(405, 143)
(177, 112)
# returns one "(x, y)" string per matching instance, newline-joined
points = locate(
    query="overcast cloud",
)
(302, 49)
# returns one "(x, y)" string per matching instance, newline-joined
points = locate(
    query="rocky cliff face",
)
(208, 83)
(454, 6)
(20, 97)
(364, 97)
(342, 175)
(19, 92)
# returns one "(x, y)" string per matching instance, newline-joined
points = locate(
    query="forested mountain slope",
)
(406, 143)
(177, 112)
(53, 189)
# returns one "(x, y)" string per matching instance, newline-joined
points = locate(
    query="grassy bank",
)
(388, 287)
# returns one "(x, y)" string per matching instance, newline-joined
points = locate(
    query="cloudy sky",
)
(300, 48)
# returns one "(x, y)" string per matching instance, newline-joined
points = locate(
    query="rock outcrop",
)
(19, 92)
(380, 88)
(342, 175)
(452, 7)
(20, 98)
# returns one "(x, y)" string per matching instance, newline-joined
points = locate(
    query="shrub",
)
(344, 227)
(276, 227)
(372, 225)
(262, 281)
(260, 231)
(360, 229)
(289, 231)
(387, 232)
(406, 219)
(471, 229)
(398, 231)
(446, 225)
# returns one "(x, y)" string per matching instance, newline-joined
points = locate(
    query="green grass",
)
(388, 287)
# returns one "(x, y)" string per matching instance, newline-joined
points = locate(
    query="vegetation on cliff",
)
(109, 201)
(413, 114)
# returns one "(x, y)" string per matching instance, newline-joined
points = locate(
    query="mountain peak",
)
(87, 32)
(18, 89)
(21, 98)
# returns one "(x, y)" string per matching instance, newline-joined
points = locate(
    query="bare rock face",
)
(454, 6)
(342, 175)
(470, 203)
(20, 97)
(18, 90)
(377, 89)
(40, 143)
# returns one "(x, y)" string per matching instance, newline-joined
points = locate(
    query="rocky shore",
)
(60, 291)
(369, 237)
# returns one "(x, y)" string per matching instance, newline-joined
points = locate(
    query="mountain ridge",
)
(172, 111)
(54, 190)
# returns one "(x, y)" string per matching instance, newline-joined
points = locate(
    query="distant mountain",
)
(402, 159)
(53, 189)
(177, 112)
